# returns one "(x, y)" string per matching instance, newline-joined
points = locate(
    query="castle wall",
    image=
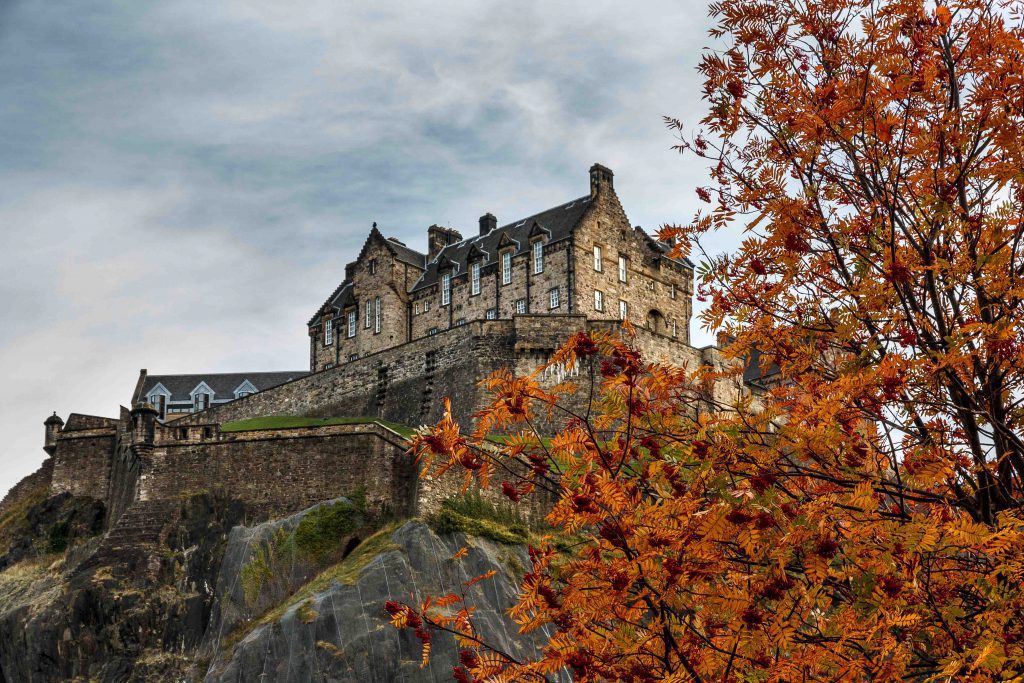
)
(81, 462)
(403, 384)
(277, 471)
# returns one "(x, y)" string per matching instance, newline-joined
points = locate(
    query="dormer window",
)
(352, 318)
(329, 332)
(244, 389)
(538, 257)
(201, 401)
(506, 268)
(446, 289)
(474, 273)
(159, 401)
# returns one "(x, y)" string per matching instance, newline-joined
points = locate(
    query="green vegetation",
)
(315, 541)
(295, 421)
(319, 532)
(345, 572)
(473, 515)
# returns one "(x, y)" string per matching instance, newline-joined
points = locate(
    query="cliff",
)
(184, 590)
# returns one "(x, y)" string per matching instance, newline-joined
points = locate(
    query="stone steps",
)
(135, 536)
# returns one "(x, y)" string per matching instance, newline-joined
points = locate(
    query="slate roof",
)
(557, 223)
(223, 385)
(406, 254)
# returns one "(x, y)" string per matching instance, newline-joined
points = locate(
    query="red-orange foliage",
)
(862, 521)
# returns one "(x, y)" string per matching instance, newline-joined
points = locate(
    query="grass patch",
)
(471, 514)
(319, 532)
(295, 421)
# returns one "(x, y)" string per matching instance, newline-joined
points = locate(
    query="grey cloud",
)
(182, 182)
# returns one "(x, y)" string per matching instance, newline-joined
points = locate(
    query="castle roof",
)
(222, 384)
(556, 224)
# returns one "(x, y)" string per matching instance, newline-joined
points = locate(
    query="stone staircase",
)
(133, 541)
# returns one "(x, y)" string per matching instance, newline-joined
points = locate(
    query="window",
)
(598, 300)
(426, 306)
(207, 432)
(506, 268)
(432, 331)
(416, 308)
(623, 310)
(597, 258)
(376, 315)
(366, 316)
(674, 334)
(446, 289)
(327, 366)
(352, 324)
(672, 291)
(622, 269)
(328, 332)
(460, 322)
(553, 295)
(353, 356)
(243, 394)
(475, 279)
(373, 266)
(492, 313)
(521, 306)
(160, 403)
(202, 401)
(538, 257)
(183, 433)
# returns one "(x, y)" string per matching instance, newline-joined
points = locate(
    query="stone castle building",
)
(403, 330)
(579, 258)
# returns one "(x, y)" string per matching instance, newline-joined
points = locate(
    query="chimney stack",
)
(487, 223)
(438, 238)
(600, 179)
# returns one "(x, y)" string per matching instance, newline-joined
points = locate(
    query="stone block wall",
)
(280, 471)
(81, 462)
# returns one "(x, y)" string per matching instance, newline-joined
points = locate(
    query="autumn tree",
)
(859, 519)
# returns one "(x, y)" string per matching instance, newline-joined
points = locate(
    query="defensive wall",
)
(405, 384)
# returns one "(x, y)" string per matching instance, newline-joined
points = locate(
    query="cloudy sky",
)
(181, 183)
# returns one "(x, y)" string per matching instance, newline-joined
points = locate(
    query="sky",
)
(182, 183)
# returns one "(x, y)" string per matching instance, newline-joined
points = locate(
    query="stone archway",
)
(655, 322)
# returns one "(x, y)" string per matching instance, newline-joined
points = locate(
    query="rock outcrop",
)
(185, 592)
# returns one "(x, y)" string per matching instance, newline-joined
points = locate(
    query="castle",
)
(401, 331)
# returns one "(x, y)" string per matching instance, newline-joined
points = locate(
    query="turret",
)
(601, 179)
(143, 424)
(53, 425)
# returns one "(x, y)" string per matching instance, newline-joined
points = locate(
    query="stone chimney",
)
(438, 238)
(53, 426)
(487, 223)
(600, 179)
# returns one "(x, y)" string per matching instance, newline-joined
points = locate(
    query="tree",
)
(859, 520)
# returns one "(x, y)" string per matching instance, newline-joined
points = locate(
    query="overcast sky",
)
(182, 183)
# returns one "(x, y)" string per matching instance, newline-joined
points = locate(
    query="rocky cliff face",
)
(181, 591)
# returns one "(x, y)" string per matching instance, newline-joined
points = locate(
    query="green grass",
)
(295, 421)
(473, 515)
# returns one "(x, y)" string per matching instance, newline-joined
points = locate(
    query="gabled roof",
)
(223, 385)
(338, 299)
(556, 223)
